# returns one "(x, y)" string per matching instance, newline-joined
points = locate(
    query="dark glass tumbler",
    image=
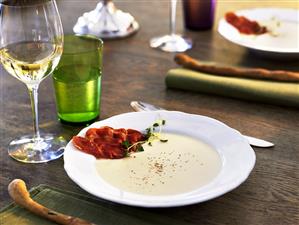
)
(199, 14)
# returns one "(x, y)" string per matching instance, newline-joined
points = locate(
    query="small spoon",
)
(18, 192)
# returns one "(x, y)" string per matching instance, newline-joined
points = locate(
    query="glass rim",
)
(88, 36)
(84, 36)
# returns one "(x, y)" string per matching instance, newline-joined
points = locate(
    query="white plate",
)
(237, 157)
(285, 40)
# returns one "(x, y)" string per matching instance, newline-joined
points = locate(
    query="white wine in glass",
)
(31, 44)
(30, 62)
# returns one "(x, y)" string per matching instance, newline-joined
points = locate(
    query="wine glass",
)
(172, 42)
(31, 43)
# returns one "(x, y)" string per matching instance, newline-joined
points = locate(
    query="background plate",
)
(283, 22)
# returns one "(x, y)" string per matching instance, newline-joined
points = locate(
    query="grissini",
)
(217, 69)
(18, 192)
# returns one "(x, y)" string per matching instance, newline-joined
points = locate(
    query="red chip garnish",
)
(106, 142)
(87, 146)
(113, 151)
(134, 136)
(245, 25)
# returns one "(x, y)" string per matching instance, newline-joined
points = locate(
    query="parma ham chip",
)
(108, 143)
(244, 25)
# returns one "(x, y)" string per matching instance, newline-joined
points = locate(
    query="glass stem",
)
(172, 16)
(34, 107)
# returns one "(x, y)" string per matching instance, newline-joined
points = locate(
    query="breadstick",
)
(216, 69)
(18, 192)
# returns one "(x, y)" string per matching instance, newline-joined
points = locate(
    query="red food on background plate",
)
(244, 25)
(108, 143)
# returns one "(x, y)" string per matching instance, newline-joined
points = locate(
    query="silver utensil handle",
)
(143, 106)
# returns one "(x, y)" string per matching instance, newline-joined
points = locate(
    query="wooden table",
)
(133, 71)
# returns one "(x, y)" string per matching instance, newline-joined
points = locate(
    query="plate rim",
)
(185, 198)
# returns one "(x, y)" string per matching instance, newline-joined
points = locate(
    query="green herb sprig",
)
(153, 133)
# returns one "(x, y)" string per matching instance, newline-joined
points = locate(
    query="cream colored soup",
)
(180, 165)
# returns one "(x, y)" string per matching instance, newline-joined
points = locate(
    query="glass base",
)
(171, 43)
(29, 150)
(78, 118)
(85, 123)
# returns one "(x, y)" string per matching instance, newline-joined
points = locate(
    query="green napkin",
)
(83, 206)
(279, 93)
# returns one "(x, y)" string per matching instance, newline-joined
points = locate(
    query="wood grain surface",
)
(134, 71)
